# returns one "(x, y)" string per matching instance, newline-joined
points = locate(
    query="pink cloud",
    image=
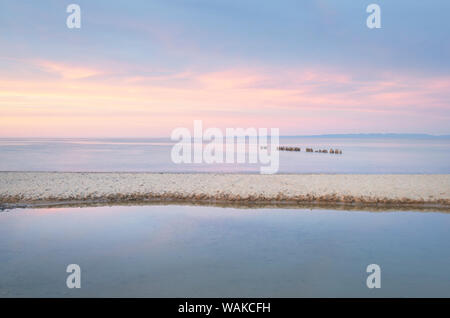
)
(67, 71)
(86, 101)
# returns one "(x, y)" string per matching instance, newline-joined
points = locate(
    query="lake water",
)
(204, 251)
(360, 155)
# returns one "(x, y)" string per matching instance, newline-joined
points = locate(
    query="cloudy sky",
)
(143, 68)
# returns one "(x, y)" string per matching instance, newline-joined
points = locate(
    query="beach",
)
(28, 188)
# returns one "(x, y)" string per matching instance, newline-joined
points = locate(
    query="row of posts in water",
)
(333, 151)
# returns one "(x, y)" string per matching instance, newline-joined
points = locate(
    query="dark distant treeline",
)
(390, 135)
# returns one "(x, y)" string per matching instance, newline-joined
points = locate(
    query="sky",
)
(143, 68)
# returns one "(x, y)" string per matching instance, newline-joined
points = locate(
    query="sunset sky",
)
(143, 68)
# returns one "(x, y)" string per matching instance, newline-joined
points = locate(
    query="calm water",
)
(183, 251)
(361, 155)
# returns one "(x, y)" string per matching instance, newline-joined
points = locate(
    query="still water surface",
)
(203, 251)
(360, 155)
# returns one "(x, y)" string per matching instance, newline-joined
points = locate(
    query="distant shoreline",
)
(355, 135)
(48, 188)
(374, 135)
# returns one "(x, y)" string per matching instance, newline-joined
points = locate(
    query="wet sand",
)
(52, 187)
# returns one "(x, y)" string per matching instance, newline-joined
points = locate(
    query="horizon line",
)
(342, 135)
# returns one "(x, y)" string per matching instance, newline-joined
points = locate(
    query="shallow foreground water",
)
(194, 251)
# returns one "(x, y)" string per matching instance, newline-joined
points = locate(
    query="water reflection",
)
(199, 251)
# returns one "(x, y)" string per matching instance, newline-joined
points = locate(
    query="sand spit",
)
(377, 208)
(18, 188)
